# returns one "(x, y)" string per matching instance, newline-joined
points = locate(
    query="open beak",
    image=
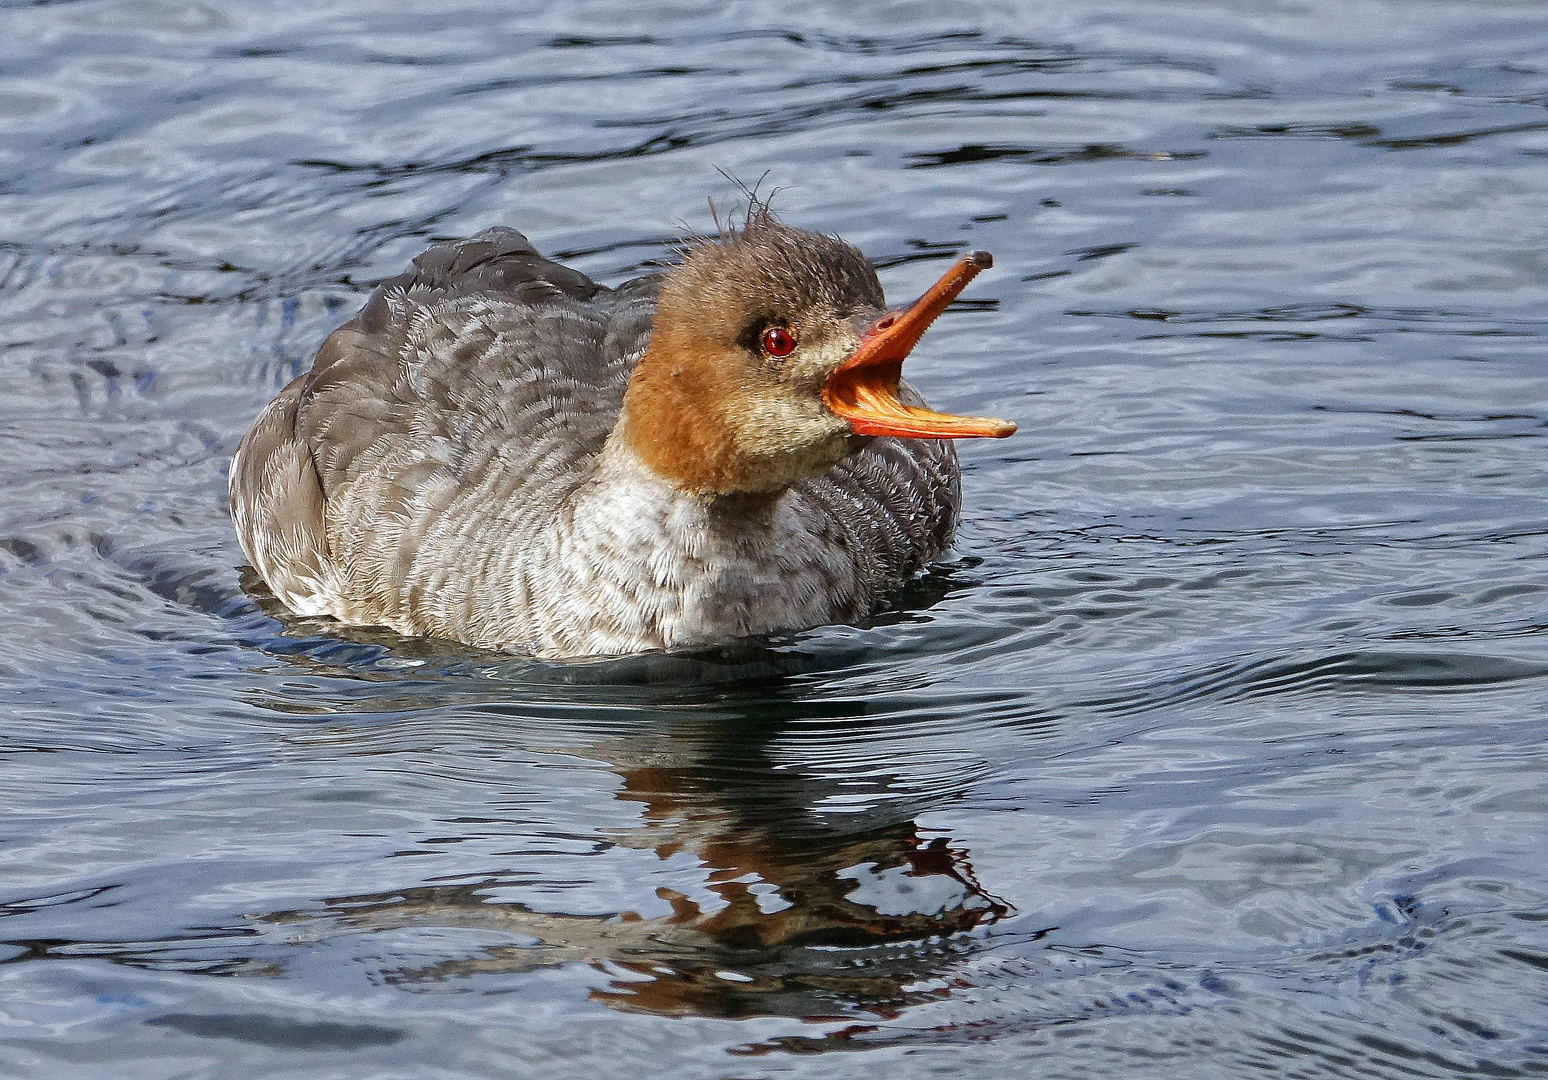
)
(864, 388)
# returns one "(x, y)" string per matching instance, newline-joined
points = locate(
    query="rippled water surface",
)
(1215, 749)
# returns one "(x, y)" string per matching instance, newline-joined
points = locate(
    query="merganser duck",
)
(499, 451)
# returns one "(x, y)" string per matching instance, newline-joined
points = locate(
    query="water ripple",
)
(1214, 749)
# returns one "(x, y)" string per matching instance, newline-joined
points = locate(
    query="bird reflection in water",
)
(797, 914)
(883, 901)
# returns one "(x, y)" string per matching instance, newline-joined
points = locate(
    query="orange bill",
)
(864, 388)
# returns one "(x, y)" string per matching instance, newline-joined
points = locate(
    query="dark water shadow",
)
(1384, 671)
(794, 912)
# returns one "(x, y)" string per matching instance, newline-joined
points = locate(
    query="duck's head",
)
(773, 356)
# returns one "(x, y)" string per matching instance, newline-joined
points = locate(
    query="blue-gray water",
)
(1216, 749)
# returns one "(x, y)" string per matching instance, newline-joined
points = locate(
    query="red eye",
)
(778, 342)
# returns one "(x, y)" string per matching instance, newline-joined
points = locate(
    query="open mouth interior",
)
(864, 389)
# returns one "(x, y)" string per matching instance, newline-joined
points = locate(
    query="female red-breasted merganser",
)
(499, 451)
